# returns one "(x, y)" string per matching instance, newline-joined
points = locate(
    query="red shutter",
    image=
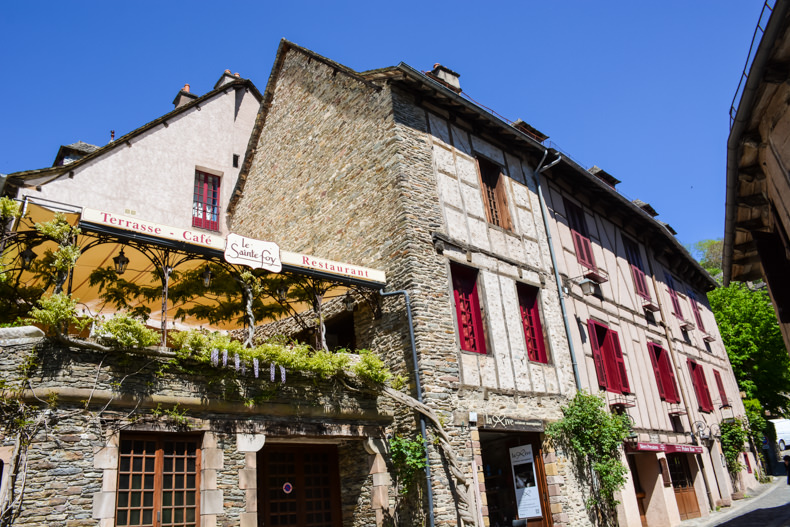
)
(720, 385)
(700, 386)
(530, 321)
(467, 305)
(600, 371)
(654, 350)
(673, 295)
(695, 309)
(670, 383)
(583, 249)
(620, 362)
(705, 391)
(640, 282)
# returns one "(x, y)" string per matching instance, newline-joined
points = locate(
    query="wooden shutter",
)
(700, 386)
(501, 195)
(492, 183)
(668, 374)
(653, 351)
(620, 362)
(720, 386)
(706, 391)
(530, 321)
(635, 260)
(593, 328)
(695, 309)
(581, 240)
(467, 305)
(673, 295)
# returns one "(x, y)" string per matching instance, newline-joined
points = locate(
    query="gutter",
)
(545, 214)
(772, 31)
(431, 520)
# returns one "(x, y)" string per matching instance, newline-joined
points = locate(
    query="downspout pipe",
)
(431, 520)
(545, 213)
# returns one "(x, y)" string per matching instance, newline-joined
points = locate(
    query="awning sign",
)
(663, 447)
(525, 481)
(253, 253)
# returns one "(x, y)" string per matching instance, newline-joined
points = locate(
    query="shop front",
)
(514, 473)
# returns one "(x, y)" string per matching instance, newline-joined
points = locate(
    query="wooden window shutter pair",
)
(581, 239)
(700, 386)
(665, 376)
(494, 194)
(467, 305)
(608, 358)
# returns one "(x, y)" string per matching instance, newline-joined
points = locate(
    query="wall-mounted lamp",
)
(349, 302)
(206, 274)
(27, 258)
(588, 287)
(120, 261)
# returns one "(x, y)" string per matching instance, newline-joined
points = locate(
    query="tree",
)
(709, 254)
(754, 344)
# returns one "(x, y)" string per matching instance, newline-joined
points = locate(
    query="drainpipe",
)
(405, 294)
(545, 213)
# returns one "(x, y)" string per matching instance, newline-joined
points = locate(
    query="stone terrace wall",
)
(72, 460)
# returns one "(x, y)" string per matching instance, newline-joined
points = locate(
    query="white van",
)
(782, 432)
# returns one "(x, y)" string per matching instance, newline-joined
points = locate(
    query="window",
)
(695, 309)
(700, 386)
(530, 321)
(673, 295)
(725, 401)
(467, 306)
(608, 358)
(158, 481)
(581, 240)
(665, 376)
(205, 202)
(494, 196)
(637, 271)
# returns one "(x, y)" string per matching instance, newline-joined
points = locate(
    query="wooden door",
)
(685, 496)
(299, 486)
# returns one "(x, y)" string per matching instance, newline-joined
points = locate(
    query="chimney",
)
(184, 97)
(446, 76)
(604, 176)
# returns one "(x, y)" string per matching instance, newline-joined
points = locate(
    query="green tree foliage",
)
(709, 253)
(733, 438)
(408, 460)
(593, 437)
(754, 344)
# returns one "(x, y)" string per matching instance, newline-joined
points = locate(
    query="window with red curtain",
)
(530, 321)
(665, 375)
(695, 309)
(673, 295)
(720, 385)
(700, 386)
(608, 358)
(467, 306)
(205, 201)
(494, 194)
(637, 271)
(581, 239)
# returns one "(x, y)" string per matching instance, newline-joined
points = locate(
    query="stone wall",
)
(349, 172)
(81, 404)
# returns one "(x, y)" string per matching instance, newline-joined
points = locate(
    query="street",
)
(771, 508)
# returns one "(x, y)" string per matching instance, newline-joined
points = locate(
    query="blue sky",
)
(641, 89)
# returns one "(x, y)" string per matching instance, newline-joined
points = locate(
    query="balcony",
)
(648, 304)
(686, 325)
(597, 275)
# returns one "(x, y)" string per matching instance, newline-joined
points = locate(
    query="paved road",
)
(771, 508)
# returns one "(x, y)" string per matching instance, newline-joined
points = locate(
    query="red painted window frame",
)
(665, 375)
(673, 296)
(529, 309)
(608, 358)
(720, 385)
(695, 309)
(205, 201)
(635, 261)
(467, 306)
(581, 239)
(700, 386)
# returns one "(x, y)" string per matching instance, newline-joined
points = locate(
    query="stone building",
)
(644, 334)
(395, 170)
(756, 241)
